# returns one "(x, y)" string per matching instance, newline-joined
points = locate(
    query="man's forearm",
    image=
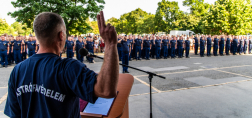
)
(108, 77)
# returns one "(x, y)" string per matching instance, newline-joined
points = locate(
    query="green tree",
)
(18, 28)
(3, 26)
(168, 12)
(74, 12)
(146, 25)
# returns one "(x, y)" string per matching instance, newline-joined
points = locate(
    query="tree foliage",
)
(3, 26)
(74, 12)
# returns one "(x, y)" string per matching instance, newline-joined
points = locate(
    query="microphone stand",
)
(150, 79)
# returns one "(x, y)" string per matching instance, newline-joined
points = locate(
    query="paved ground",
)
(208, 87)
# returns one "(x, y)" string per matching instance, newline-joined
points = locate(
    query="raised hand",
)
(108, 33)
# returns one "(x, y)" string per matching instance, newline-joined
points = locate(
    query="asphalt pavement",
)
(198, 87)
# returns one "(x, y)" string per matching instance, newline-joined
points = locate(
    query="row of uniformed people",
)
(87, 43)
(231, 44)
(146, 47)
(16, 49)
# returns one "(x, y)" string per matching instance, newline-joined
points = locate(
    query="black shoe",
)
(139, 59)
(130, 60)
(187, 57)
(196, 54)
(126, 72)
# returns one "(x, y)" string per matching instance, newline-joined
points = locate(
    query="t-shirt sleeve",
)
(12, 108)
(81, 81)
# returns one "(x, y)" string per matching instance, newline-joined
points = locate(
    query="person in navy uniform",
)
(173, 46)
(138, 44)
(130, 44)
(216, 43)
(4, 51)
(24, 52)
(146, 46)
(142, 47)
(79, 45)
(17, 49)
(152, 40)
(187, 47)
(180, 46)
(31, 44)
(202, 46)
(209, 45)
(10, 54)
(221, 45)
(165, 43)
(241, 44)
(235, 43)
(158, 47)
(70, 47)
(227, 47)
(90, 48)
(196, 44)
(250, 44)
(119, 48)
(125, 53)
(245, 45)
(45, 84)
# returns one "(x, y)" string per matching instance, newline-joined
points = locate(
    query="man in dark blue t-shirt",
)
(4, 50)
(46, 86)
(70, 47)
(31, 46)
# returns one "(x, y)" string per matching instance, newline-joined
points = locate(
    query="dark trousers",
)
(23, 56)
(250, 48)
(215, 49)
(227, 49)
(241, 49)
(196, 47)
(31, 52)
(221, 49)
(147, 52)
(180, 49)
(245, 49)
(17, 56)
(172, 52)
(165, 51)
(138, 50)
(4, 59)
(187, 51)
(143, 53)
(169, 51)
(158, 50)
(78, 56)
(70, 53)
(153, 51)
(119, 49)
(131, 53)
(10, 57)
(202, 50)
(125, 60)
(90, 59)
(234, 49)
(208, 50)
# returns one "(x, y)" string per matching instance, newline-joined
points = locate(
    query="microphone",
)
(84, 52)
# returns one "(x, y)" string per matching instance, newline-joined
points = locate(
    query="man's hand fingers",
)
(99, 22)
(102, 20)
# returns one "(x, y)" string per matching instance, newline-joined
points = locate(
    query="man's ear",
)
(60, 36)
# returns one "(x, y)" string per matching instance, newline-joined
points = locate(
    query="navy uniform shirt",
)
(245, 41)
(216, 41)
(187, 42)
(250, 41)
(157, 43)
(228, 41)
(152, 43)
(180, 43)
(90, 45)
(165, 42)
(79, 45)
(209, 41)
(130, 42)
(119, 44)
(125, 47)
(10, 46)
(146, 43)
(235, 41)
(138, 42)
(31, 45)
(241, 42)
(69, 44)
(222, 41)
(173, 43)
(3, 45)
(196, 40)
(17, 45)
(46, 86)
(202, 42)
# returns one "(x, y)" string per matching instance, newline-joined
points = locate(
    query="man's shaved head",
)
(47, 26)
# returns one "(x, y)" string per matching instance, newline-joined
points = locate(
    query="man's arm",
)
(107, 79)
